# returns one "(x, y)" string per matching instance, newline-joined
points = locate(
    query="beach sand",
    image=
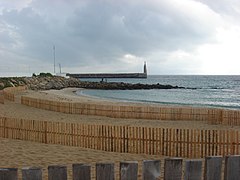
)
(15, 153)
(19, 154)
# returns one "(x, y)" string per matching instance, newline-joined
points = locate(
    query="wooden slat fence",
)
(10, 91)
(231, 117)
(211, 116)
(190, 143)
(8, 94)
(1, 97)
(174, 169)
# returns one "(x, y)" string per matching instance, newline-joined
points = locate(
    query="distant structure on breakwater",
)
(112, 75)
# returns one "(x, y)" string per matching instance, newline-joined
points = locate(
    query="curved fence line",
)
(10, 91)
(190, 143)
(211, 116)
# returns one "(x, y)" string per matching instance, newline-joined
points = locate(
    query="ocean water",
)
(211, 91)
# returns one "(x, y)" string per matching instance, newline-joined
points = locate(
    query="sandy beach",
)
(15, 153)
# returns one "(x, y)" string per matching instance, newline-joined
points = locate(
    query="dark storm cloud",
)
(102, 32)
(134, 29)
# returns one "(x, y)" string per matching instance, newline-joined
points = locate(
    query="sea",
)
(202, 91)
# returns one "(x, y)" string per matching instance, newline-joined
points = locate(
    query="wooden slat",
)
(31, 173)
(193, 170)
(8, 174)
(151, 169)
(173, 169)
(232, 167)
(129, 170)
(104, 171)
(57, 173)
(81, 172)
(213, 168)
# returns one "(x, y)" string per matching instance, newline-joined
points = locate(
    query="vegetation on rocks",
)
(11, 82)
(43, 75)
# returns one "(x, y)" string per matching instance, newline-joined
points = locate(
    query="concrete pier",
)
(111, 75)
(105, 75)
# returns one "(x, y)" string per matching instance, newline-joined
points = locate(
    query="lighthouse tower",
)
(145, 68)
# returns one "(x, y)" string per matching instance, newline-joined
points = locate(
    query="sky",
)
(174, 37)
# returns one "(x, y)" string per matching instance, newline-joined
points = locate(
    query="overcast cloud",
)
(174, 37)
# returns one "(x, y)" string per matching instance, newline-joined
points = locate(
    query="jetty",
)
(112, 75)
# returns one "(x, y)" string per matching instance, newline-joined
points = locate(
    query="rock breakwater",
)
(56, 82)
(124, 86)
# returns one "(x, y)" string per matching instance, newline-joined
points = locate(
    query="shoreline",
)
(69, 94)
(72, 92)
(159, 104)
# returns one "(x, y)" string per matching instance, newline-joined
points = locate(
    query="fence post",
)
(8, 174)
(104, 171)
(129, 170)
(4, 127)
(31, 173)
(232, 167)
(193, 170)
(81, 172)
(173, 169)
(213, 168)
(1, 97)
(45, 132)
(151, 169)
(57, 173)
